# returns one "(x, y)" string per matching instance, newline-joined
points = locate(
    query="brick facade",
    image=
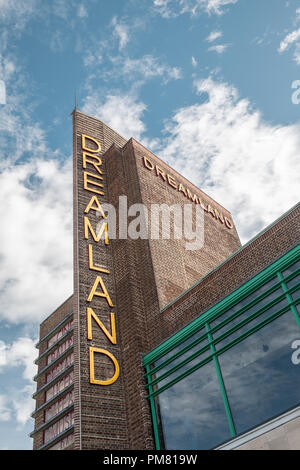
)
(156, 286)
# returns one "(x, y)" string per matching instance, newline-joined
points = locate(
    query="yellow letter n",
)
(111, 336)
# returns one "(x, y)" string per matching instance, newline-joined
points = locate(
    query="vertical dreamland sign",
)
(97, 382)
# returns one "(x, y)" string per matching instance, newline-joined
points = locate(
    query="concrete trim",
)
(260, 430)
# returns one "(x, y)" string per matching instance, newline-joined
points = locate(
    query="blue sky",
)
(204, 84)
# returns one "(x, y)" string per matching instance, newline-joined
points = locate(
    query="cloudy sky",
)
(210, 86)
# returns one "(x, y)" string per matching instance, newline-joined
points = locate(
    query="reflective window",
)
(58, 427)
(61, 348)
(246, 301)
(63, 443)
(250, 324)
(192, 412)
(291, 269)
(64, 329)
(59, 386)
(243, 372)
(293, 282)
(296, 295)
(59, 405)
(260, 378)
(186, 343)
(58, 368)
(182, 369)
(202, 347)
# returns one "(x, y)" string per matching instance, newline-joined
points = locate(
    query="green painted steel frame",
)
(228, 302)
(275, 269)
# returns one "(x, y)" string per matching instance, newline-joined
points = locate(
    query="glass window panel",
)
(262, 303)
(58, 427)
(63, 443)
(186, 355)
(182, 369)
(61, 348)
(59, 405)
(226, 315)
(60, 333)
(181, 346)
(260, 290)
(58, 368)
(246, 301)
(255, 321)
(296, 295)
(59, 386)
(192, 412)
(291, 269)
(293, 282)
(259, 375)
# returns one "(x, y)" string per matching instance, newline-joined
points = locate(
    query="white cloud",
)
(8, 67)
(62, 8)
(2, 354)
(5, 412)
(121, 32)
(23, 404)
(36, 239)
(194, 62)
(127, 121)
(57, 42)
(226, 149)
(147, 67)
(136, 71)
(219, 48)
(21, 353)
(289, 39)
(292, 38)
(17, 12)
(171, 8)
(19, 135)
(213, 36)
(36, 212)
(163, 7)
(297, 54)
(93, 59)
(82, 11)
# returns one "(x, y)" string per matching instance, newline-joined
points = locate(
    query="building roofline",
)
(97, 119)
(182, 176)
(133, 139)
(45, 319)
(275, 222)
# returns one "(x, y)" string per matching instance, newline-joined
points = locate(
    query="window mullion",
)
(221, 383)
(289, 298)
(153, 413)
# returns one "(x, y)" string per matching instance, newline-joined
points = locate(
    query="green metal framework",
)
(156, 373)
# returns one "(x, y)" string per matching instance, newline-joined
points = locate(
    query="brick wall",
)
(145, 278)
(46, 327)
(238, 269)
